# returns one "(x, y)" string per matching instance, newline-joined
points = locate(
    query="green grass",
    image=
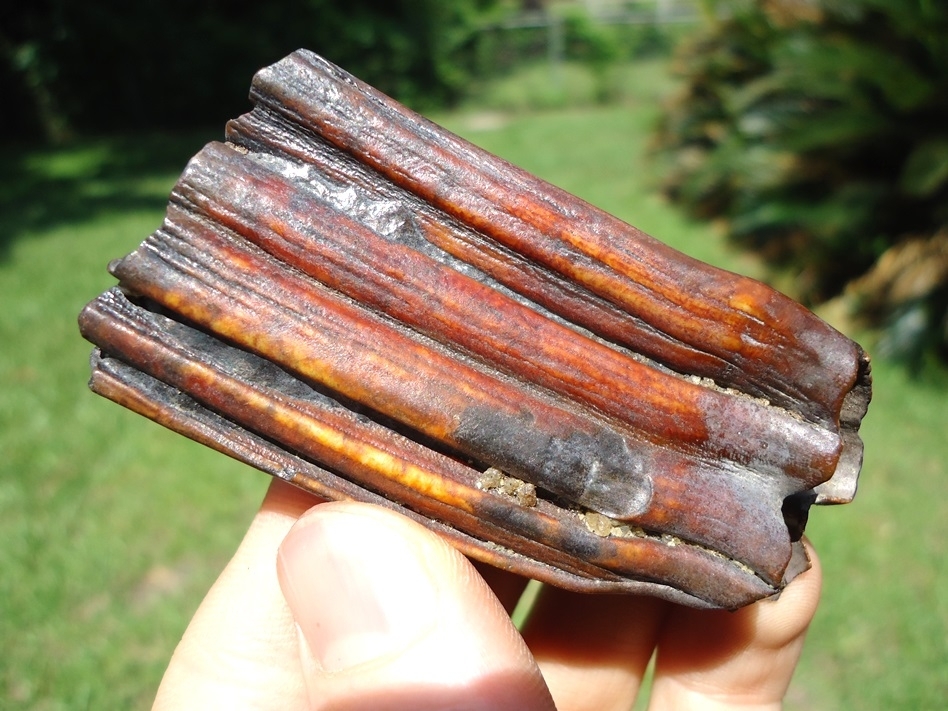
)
(111, 528)
(880, 639)
(541, 85)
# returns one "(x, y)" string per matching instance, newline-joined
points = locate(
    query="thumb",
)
(392, 617)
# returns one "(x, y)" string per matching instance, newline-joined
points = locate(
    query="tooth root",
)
(364, 304)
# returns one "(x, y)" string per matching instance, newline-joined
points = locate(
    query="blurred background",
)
(804, 142)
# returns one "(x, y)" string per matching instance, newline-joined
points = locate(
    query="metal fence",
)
(558, 31)
(613, 12)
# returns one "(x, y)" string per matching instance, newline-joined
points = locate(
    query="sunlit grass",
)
(110, 528)
(881, 635)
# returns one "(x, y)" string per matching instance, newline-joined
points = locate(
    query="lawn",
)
(111, 528)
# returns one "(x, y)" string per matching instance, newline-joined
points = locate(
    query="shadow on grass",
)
(46, 188)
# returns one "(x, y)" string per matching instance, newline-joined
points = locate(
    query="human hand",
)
(350, 606)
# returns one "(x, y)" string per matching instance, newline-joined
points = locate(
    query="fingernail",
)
(357, 586)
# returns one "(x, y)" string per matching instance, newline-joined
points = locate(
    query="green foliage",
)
(818, 130)
(596, 46)
(114, 65)
(587, 41)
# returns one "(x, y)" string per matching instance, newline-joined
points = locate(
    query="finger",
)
(593, 649)
(717, 659)
(241, 644)
(507, 586)
(391, 617)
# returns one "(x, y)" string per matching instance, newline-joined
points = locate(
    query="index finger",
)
(709, 659)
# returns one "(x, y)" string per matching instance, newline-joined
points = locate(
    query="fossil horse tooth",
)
(352, 298)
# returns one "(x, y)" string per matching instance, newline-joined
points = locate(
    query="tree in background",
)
(817, 130)
(115, 65)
